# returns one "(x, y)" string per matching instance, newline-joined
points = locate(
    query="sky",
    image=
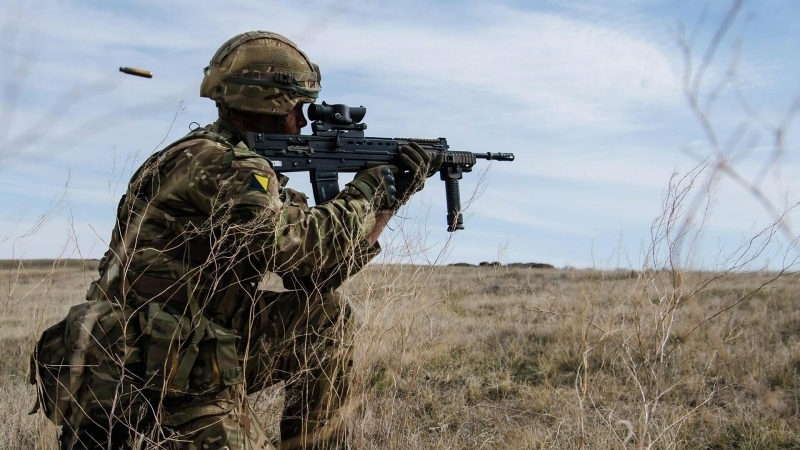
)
(588, 95)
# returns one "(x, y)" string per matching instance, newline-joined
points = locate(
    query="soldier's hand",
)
(415, 166)
(377, 184)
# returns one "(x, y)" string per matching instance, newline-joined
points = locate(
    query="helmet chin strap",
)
(251, 122)
(280, 124)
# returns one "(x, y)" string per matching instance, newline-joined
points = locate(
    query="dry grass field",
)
(497, 357)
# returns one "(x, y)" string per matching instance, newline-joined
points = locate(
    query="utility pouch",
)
(217, 363)
(223, 354)
(50, 367)
(80, 363)
(185, 355)
(166, 340)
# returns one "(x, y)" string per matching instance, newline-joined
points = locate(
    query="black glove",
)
(377, 184)
(415, 166)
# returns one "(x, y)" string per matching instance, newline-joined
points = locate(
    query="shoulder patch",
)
(259, 183)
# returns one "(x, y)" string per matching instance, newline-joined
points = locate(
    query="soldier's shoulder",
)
(203, 141)
(201, 146)
(188, 155)
(211, 152)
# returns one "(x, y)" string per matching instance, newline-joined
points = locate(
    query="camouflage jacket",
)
(206, 217)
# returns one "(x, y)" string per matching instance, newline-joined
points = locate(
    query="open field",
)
(496, 357)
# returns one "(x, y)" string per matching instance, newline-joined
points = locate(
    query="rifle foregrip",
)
(455, 221)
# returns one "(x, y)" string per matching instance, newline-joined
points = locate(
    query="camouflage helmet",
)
(261, 72)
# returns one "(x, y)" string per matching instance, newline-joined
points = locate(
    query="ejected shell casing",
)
(137, 72)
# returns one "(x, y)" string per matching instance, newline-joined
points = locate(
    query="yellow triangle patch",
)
(259, 182)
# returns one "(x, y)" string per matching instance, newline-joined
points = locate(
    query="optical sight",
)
(338, 114)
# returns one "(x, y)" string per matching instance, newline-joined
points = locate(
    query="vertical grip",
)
(455, 221)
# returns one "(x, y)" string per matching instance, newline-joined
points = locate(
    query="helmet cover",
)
(261, 72)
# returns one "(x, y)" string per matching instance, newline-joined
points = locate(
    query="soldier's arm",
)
(381, 220)
(238, 190)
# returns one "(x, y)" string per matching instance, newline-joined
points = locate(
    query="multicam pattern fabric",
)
(225, 424)
(191, 215)
(305, 341)
(176, 334)
(261, 72)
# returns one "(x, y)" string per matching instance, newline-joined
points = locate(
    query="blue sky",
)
(587, 95)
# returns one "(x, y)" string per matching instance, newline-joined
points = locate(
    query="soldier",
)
(176, 333)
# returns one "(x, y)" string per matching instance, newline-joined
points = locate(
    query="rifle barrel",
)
(495, 156)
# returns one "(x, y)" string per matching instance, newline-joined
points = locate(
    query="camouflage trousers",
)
(116, 376)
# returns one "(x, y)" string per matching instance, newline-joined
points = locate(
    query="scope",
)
(339, 114)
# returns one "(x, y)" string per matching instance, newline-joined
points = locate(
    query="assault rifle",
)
(338, 144)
